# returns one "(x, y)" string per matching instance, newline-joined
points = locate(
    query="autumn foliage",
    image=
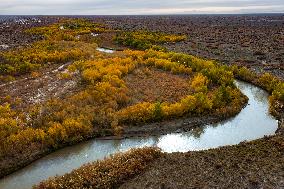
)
(103, 106)
(66, 41)
(42, 53)
(70, 30)
(144, 39)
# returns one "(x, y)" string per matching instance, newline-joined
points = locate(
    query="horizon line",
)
(172, 14)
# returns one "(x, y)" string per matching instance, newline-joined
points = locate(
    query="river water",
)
(105, 50)
(253, 122)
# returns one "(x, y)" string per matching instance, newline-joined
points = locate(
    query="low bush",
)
(145, 40)
(26, 60)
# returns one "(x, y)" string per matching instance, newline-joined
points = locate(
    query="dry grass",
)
(152, 85)
(253, 165)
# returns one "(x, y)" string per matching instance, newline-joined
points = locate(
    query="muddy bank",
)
(171, 126)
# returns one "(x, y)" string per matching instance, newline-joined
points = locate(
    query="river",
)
(253, 122)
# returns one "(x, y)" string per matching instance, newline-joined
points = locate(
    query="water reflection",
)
(105, 50)
(67, 159)
(251, 123)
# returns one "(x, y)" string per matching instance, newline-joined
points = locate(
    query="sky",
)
(138, 7)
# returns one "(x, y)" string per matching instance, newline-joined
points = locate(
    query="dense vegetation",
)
(142, 40)
(107, 173)
(70, 30)
(102, 107)
(66, 41)
(43, 53)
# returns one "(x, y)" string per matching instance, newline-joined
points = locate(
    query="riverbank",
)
(257, 164)
(13, 164)
(225, 166)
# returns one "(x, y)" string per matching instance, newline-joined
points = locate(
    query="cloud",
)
(121, 7)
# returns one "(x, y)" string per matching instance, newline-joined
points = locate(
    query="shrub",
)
(158, 113)
(199, 83)
(145, 40)
(26, 60)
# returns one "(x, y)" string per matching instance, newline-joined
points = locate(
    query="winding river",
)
(251, 123)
